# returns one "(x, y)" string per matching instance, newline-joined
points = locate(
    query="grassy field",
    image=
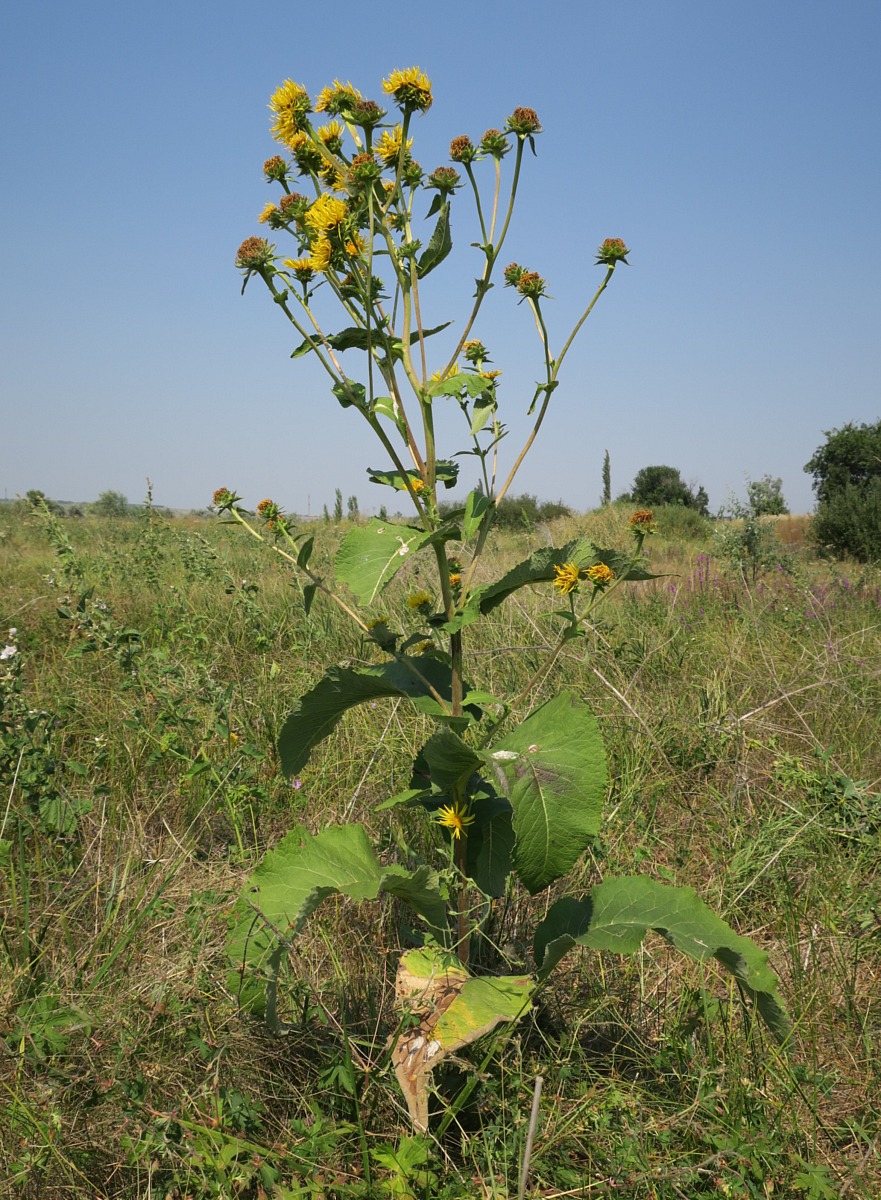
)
(154, 663)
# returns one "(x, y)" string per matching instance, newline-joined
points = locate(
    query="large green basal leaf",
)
(454, 1009)
(372, 554)
(553, 770)
(617, 915)
(316, 714)
(297, 875)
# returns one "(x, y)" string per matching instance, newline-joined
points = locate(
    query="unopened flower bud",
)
(523, 122)
(462, 149)
(254, 254)
(363, 171)
(531, 284)
(495, 142)
(306, 154)
(275, 168)
(445, 179)
(643, 521)
(412, 173)
(294, 206)
(612, 252)
(475, 351)
(223, 498)
(367, 113)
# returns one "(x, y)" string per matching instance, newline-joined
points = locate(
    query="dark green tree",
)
(37, 499)
(111, 504)
(851, 455)
(765, 497)
(847, 482)
(654, 486)
(607, 480)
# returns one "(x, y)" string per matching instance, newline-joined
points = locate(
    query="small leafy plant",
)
(509, 798)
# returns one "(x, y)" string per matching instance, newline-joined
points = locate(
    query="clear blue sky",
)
(734, 146)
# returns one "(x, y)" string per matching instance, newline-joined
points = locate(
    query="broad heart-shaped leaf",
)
(316, 714)
(449, 759)
(372, 554)
(293, 880)
(617, 914)
(553, 769)
(454, 1010)
(535, 569)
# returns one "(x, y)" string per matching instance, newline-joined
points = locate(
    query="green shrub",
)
(849, 522)
(682, 524)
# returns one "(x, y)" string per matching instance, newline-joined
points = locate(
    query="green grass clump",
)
(155, 661)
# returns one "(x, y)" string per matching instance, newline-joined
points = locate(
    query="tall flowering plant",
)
(512, 799)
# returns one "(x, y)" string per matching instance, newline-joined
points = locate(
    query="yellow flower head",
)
(336, 98)
(306, 154)
(419, 600)
(567, 577)
(332, 136)
(418, 485)
(600, 575)
(454, 370)
(268, 209)
(455, 579)
(456, 818)
(411, 89)
(301, 267)
(354, 247)
(388, 148)
(335, 179)
(325, 214)
(290, 103)
(319, 255)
